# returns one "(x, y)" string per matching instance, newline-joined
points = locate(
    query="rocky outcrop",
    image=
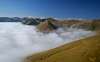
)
(47, 26)
(35, 21)
(32, 21)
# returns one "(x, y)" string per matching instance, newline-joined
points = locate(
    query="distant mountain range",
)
(24, 20)
(52, 23)
(10, 19)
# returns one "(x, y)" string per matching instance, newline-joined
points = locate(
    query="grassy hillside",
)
(85, 50)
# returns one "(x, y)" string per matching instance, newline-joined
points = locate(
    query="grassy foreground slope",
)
(85, 50)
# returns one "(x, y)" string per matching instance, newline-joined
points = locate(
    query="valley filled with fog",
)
(18, 41)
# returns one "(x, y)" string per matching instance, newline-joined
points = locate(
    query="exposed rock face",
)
(85, 50)
(32, 21)
(47, 26)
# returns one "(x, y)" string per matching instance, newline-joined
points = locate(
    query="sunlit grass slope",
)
(84, 50)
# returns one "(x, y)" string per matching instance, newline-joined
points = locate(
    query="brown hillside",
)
(85, 50)
(83, 24)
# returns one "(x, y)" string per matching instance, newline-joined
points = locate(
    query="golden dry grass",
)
(84, 50)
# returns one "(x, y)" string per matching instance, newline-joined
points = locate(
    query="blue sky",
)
(51, 8)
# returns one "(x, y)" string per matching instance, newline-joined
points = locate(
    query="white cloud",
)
(17, 40)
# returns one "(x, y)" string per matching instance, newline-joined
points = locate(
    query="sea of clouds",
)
(17, 41)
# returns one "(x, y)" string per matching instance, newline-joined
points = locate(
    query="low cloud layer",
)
(18, 41)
